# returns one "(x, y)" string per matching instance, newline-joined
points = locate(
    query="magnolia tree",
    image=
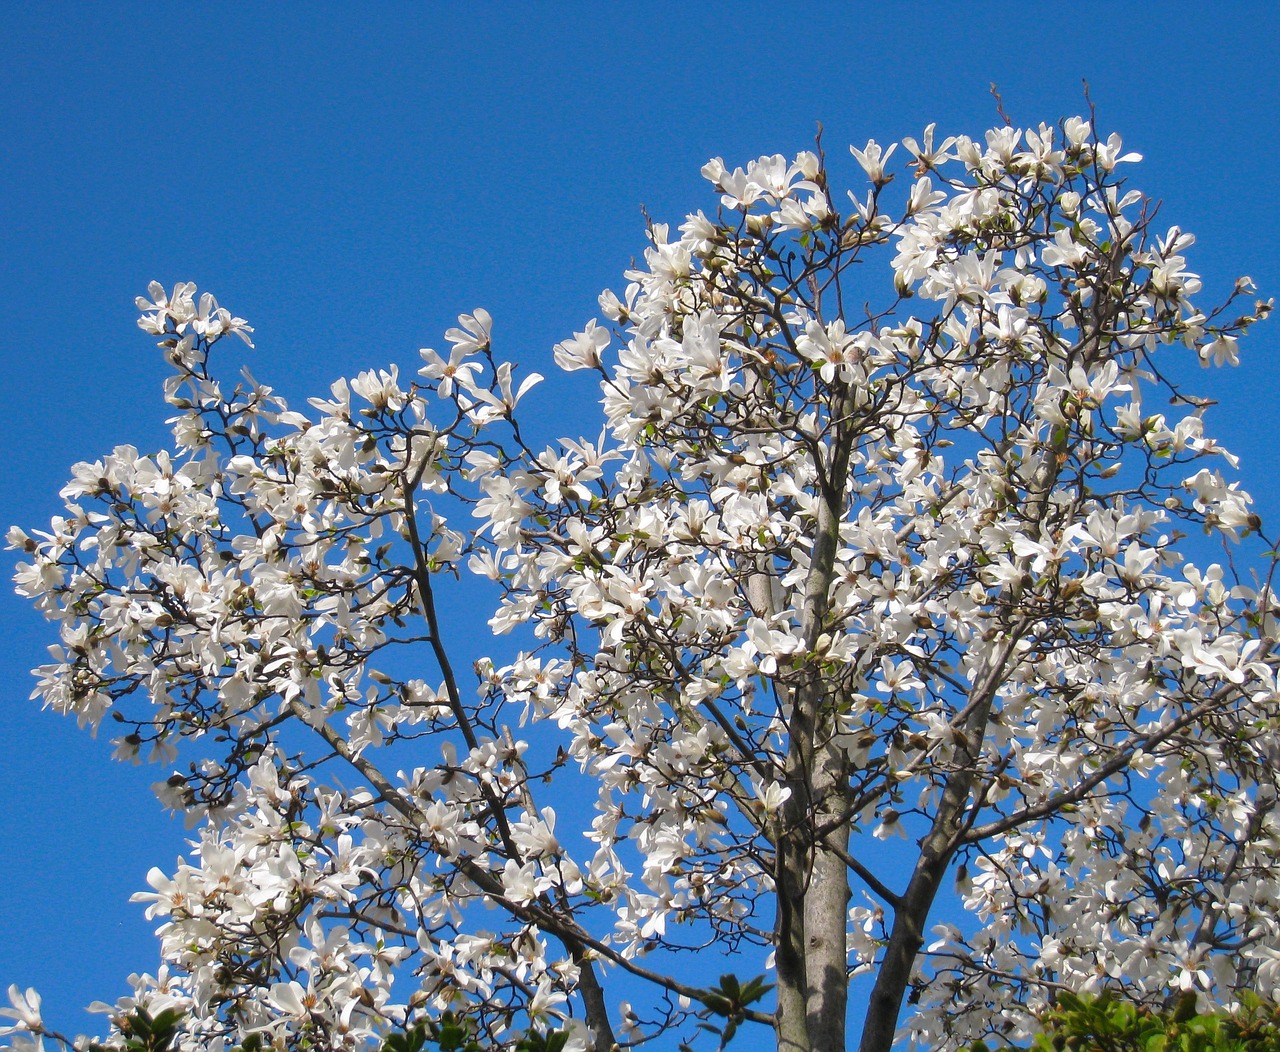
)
(855, 560)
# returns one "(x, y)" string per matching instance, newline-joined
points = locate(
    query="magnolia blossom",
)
(902, 560)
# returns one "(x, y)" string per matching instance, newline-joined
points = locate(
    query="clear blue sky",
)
(349, 179)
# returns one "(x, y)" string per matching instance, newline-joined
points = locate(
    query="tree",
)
(839, 571)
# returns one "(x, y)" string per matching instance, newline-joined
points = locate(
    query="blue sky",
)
(350, 179)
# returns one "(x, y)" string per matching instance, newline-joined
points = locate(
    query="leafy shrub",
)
(1110, 1024)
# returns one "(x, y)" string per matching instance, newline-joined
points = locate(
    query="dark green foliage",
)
(146, 1033)
(1110, 1024)
(449, 1033)
(728, 1001)
(454, 1033)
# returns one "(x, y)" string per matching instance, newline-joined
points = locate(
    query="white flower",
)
(472, 334)
(773, 796)
(25, 1009)
(873, 158)
(583, 351)
(456, 370)
(1222, 351)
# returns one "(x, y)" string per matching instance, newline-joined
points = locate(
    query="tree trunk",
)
(936, 851)
(790, 879)
(826, 917)
(812, 916)
(811, 880)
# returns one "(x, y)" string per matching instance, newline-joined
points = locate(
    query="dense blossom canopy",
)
(917, 559)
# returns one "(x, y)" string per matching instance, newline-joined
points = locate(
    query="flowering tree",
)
(839, 571)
